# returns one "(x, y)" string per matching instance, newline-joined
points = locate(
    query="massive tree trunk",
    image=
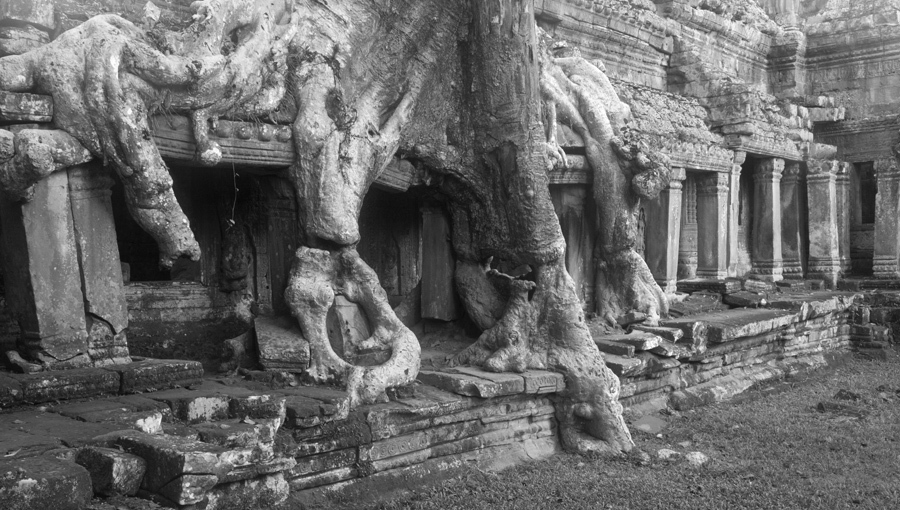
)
(513, 218)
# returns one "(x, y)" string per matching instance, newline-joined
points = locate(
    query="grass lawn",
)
(774, 448)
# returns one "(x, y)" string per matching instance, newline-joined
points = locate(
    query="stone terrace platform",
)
(252, 440)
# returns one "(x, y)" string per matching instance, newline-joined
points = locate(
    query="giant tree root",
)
(578, 94)
(625, 271)
(316, 276)
(548, 331)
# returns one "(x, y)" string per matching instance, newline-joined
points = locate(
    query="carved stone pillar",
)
(734, 212)
(791, 217)
(824, 257)
(887, 207)
(766, 258)
(98, 257)
(663, 232)
(42, 277)
(843, 215)
(712, 225)
(687, 244)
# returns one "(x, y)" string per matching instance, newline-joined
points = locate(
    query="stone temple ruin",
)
(306, 248)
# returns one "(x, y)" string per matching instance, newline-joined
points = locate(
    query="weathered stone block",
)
(263, 492)
(280, 344)
(42, 483)
(508, 383)
(67, 384)
(461, 384)
(169, 458)
(194, 406)
(328, 461)
(641, 341)
(112, 472)
(238, 433)
(188, 489)
(155, 374)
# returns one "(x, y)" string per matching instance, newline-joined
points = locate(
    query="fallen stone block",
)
(112, 472)
(42, 483)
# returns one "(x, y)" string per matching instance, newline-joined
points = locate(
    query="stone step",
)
(744, 299)
(184, 471)
(90, 382)
(616, 348)
(670, 334)
(474, 382)
(640, 340)
(718, 327)
(717, 286)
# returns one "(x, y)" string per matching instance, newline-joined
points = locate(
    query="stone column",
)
(824, 258)
(843, 215)
(734, 204)
(687, 244)
(98, 257)
(42, 277)
(664, 232)
(712, 225)
(887, 208)
(766, 256)
(791, 218)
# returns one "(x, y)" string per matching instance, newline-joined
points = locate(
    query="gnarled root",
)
(589, 413)
(624, 283)
(505, 347)
(316, 276)
(544, 328)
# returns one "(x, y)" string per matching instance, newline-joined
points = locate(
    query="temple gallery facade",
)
(421, 234)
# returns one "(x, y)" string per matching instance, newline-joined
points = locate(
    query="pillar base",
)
(768, 270)
(714, 274)
(885, 267)
(792, 270)
(828, 270)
